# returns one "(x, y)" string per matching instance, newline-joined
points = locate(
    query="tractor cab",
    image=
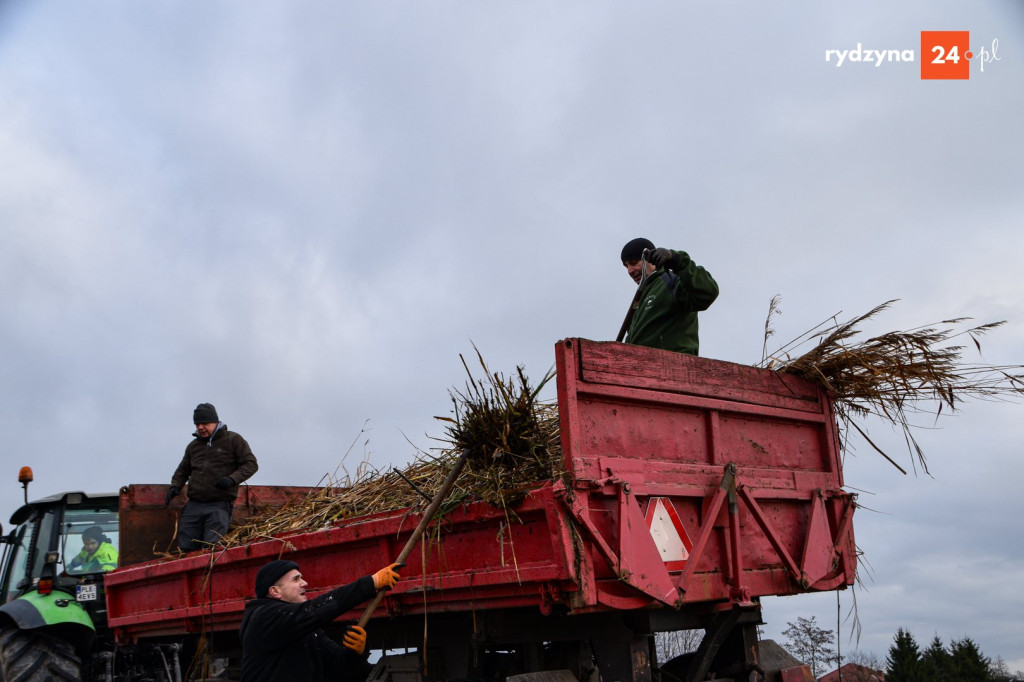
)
(63, 543)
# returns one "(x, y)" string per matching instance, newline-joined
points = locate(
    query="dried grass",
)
(896, 374)
(511, 437)
(513, 441)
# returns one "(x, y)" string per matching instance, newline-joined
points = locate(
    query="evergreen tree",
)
(935, 664)
(904, 661)
(967, 663)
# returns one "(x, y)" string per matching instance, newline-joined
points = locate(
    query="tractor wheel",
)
(34, 656)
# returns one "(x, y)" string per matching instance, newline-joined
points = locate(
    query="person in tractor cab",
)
(282, 633)
(674, 290)
(97, 554)
(215, 463)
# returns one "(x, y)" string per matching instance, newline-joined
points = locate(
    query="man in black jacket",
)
(282, 633)
(215, 463)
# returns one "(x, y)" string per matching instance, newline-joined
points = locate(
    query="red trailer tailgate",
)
(735, 470)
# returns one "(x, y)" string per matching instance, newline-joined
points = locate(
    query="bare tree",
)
(868, 659)
(999, 671)
(866, 666)
(811, 644)
(671, 644)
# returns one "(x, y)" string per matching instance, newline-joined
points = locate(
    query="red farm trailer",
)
(694, 487)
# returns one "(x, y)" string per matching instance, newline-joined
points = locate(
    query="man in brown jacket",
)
(215, 463)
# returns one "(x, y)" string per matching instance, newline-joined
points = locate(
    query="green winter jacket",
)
(207, 460)
(103, 559)
(666, 315)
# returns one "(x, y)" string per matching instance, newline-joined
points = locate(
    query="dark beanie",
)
(635, 248)
(205, 414)
(94, 533)
(271, 573)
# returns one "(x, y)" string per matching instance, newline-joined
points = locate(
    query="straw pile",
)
(513, 440)
(896, 374)
(511, 437)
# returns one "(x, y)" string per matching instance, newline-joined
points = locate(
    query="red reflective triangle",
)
(669, 535)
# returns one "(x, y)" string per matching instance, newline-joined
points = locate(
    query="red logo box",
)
(945, 55)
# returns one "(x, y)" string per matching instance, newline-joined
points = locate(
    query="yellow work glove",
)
(355, 639)
(386, 578)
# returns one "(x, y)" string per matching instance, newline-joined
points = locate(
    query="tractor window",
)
(29, 552)
(23, 537)
(46, 530)
(91, 539)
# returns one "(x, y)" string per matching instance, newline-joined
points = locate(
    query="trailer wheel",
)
(34, 656)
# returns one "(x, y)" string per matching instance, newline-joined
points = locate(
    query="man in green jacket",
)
(673, 289)
(215, 463)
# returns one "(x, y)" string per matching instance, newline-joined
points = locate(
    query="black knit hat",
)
(205, 413)
(635, 248)
(271, 573)
(94, 533)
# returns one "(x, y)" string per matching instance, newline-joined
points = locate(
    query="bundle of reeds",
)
(895, 374)
(336, 499)
(511, 437)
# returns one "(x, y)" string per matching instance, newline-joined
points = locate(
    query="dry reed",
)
(512, 438)
(896, 374)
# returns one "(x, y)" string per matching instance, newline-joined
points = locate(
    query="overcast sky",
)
(303, 212)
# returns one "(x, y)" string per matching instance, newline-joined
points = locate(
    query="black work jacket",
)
(206, 460)
(284, 642)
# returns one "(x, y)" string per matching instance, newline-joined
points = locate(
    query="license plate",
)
(85, 593)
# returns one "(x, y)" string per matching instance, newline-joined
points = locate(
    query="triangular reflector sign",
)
(669, 536)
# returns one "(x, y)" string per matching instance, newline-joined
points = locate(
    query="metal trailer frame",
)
(747, 460)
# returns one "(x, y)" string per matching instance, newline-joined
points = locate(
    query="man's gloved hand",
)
(172, 492)
(663, 258)
(355, 639)
(386, 578)
(223, 483)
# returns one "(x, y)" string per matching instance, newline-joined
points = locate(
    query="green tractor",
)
(51, 583)
(53, 601)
